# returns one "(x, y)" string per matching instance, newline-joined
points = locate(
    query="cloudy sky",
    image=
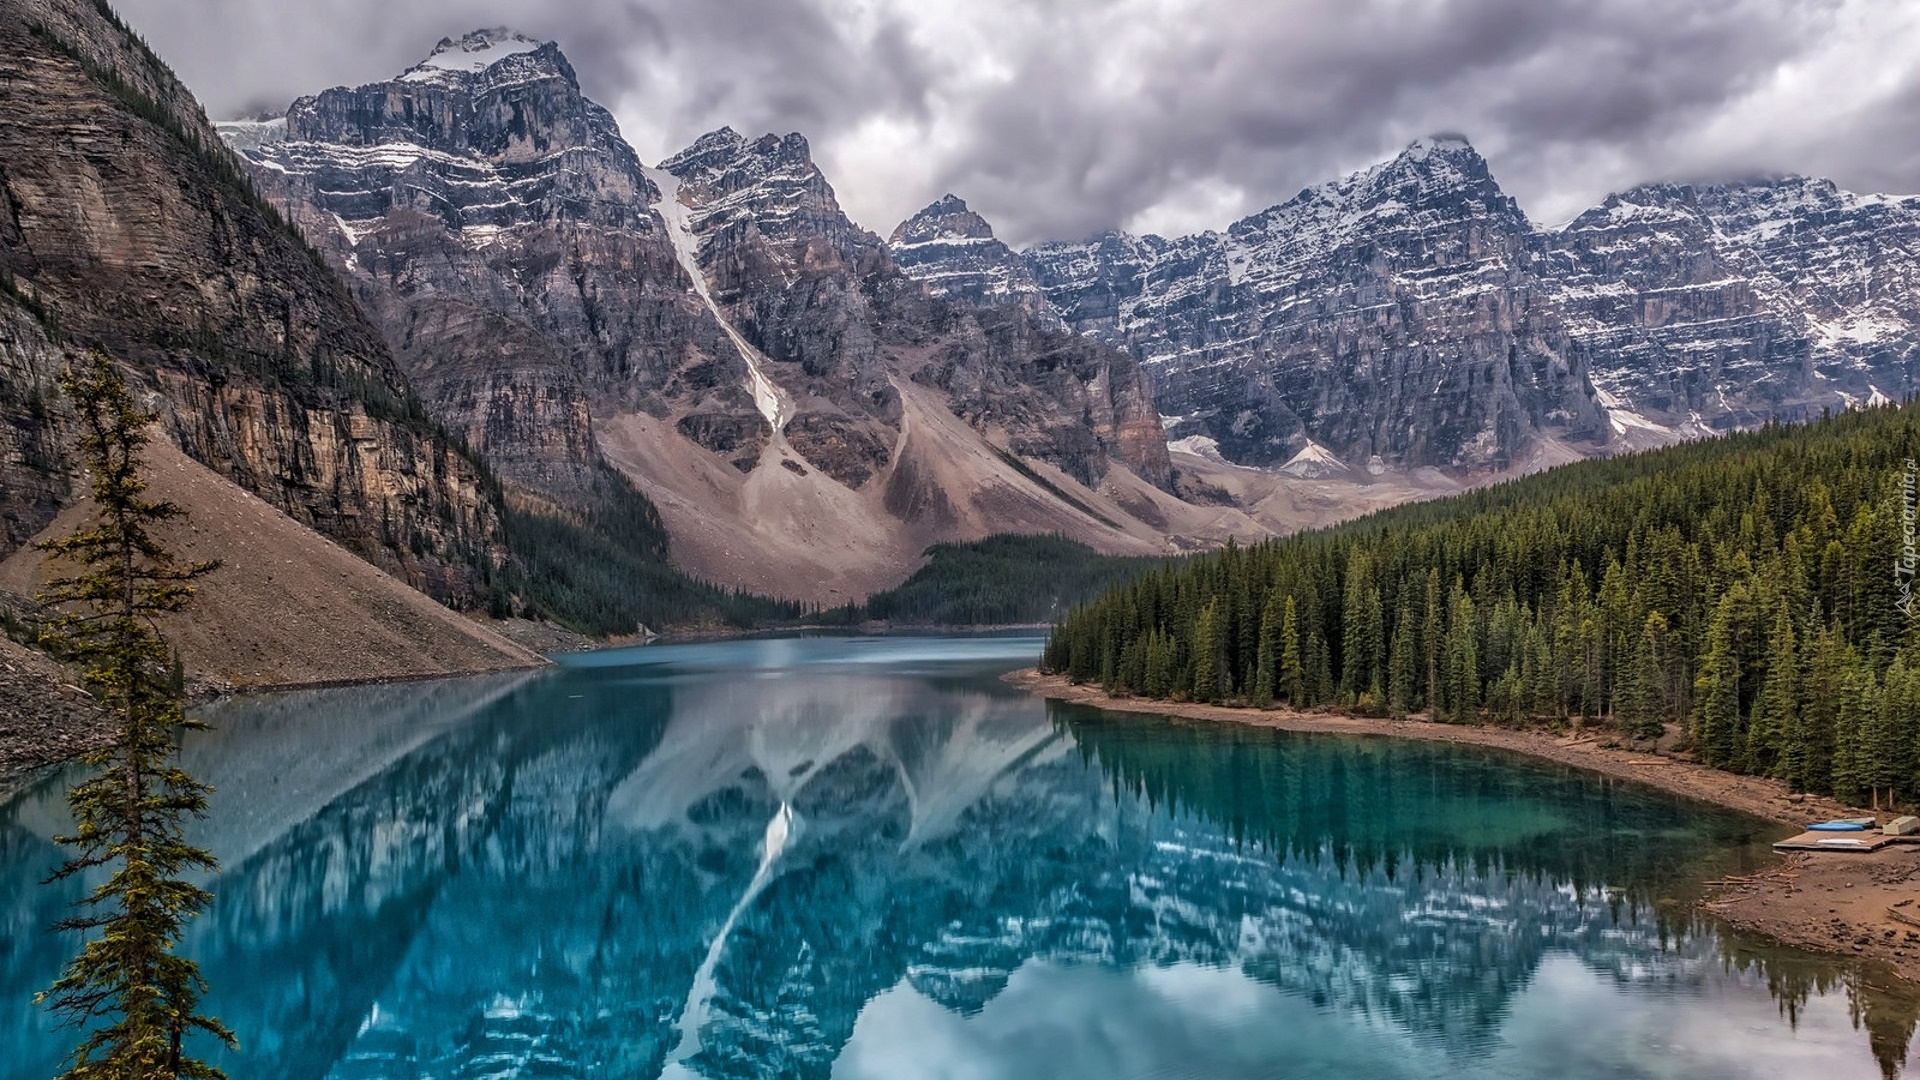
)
(1058, 118)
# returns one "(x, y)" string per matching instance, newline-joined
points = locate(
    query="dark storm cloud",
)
(1057, 118)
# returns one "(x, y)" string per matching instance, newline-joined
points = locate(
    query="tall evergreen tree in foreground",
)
(133, 1000)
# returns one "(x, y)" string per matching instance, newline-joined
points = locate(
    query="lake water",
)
(868, 858)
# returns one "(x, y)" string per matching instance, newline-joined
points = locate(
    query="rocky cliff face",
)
(34, 477)
(502, 235)
(1711, 308)
(717, 327)
(954, 252)
(130, 228)
(825, 301)
(1411, 315)
(1389, 318)
(785, 267)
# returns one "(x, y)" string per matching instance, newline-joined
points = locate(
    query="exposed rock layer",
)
(555, 300)
(1412, 313)
(130, 228)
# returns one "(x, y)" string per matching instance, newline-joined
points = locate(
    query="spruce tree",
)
(1293, 674)
(1430, 642)
(1267, 655)
(1716, 729)
(133, 999)
(1776, 714)
(1645, 702)
(1206, 653)
(1403, 665)
(1462, 690)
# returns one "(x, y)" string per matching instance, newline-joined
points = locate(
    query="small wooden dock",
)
(1870, 840)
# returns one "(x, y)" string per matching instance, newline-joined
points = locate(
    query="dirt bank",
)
(287, 607)
(1844, 902)
(1851, 903)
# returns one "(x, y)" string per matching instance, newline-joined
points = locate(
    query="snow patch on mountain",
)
(1315, 462)
(767, 395)
(246, 134)
(1623, 418)
(1858, 328)
(471, 54)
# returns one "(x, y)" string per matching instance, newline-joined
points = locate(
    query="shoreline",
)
(1850, 904)
(54, 723)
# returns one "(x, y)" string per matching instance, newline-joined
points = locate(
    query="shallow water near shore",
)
(866, 857)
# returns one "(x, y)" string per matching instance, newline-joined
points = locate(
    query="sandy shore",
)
(1852, 904)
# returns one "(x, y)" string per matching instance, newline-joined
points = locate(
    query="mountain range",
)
(442, 318)
(716, 330)
(1412, 316)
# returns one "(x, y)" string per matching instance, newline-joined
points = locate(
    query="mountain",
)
(499, 231)
(130, 229)
(1389, 318)
(1718, 307)
(715, 332)
(953, 250)
(823, 300)
(1411, 316)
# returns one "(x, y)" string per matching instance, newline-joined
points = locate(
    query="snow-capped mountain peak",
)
(472, 53)
(947, 218)
(952, 250)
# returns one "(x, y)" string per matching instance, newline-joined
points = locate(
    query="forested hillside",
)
(1744, 588)
(1003, 580)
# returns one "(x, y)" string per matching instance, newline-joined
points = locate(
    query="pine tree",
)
(1403, 669)
(1267, 655)
(1776, 713)
(132, 997)
(1356, 640)
(1462, 690)
(1206, 653)
(1430, 641)
(1853, 769)
(1293, 674)
(1717, 694)
(1809, 764)
(1643, 704)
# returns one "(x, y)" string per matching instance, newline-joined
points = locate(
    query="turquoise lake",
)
(869, 858)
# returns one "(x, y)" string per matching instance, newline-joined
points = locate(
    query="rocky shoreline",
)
(1860, 905)
(45, 717)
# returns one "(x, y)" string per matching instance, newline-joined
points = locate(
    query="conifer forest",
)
(1747, 596)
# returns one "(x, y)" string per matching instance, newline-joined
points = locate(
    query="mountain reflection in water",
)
(867, 858)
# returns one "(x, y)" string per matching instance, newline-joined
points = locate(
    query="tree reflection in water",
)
(526, 876)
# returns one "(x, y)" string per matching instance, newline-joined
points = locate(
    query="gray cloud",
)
(1057, 118)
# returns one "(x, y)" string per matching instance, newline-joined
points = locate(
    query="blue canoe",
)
(1837, 826)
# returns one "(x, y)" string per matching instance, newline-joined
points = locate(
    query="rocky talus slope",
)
(806, 416)
(284, 607)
